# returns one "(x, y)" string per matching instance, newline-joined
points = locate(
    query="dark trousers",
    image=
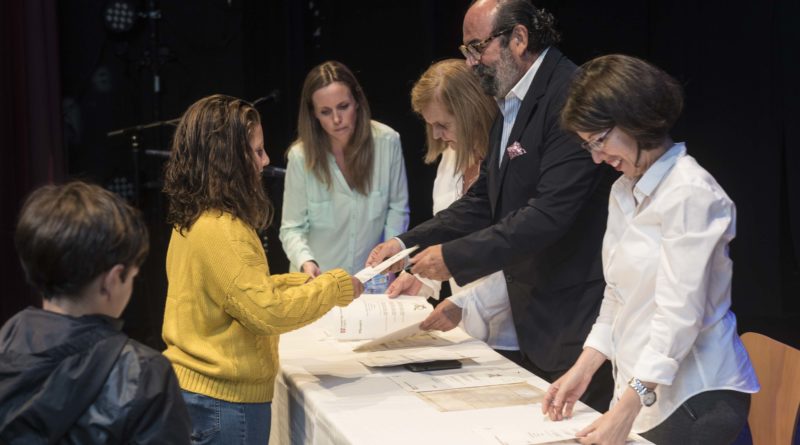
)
(708, 418)
(599, 392)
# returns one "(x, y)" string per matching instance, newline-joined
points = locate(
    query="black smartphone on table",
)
(436, 365)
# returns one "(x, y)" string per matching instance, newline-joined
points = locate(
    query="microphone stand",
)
(134, 133)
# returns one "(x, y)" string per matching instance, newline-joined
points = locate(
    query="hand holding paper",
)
(358, 287)
(384, 250)
(430, 264)
(368, 272)
(445, 317)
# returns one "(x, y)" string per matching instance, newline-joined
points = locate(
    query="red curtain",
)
(31, 152)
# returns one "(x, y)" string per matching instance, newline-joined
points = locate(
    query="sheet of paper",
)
(418, 382)
(546, 431)
(540, 436)
(368, 272)
(461, 399)
(403, 356)
(405, 332)
(424, 339)
(372, 316)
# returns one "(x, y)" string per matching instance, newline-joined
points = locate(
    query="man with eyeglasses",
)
(538, 209)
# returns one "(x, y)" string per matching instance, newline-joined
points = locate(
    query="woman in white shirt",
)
(681, 373)
(345, 187)
(458, 117)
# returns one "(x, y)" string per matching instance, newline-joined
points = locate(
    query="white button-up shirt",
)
(486, 312)
(665, 316)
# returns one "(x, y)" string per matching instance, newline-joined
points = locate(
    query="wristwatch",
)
(646, 395)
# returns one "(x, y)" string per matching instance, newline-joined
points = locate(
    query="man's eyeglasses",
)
(475, 49)
(596, 144)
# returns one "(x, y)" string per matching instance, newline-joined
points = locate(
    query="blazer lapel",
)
(537, 89)
(492, 172)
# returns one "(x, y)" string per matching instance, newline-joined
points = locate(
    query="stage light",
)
(120, 15)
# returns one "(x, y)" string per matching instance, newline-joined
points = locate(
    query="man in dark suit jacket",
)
(538, 209)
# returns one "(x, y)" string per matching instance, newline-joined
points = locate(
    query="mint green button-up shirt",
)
(338, 227)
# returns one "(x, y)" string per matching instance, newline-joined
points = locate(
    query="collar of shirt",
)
(656, 173)
(521, 88)
(630, 193)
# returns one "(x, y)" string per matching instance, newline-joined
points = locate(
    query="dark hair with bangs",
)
(211, 165)
(625, 92)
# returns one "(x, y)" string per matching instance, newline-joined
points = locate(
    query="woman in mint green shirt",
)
(345, 188)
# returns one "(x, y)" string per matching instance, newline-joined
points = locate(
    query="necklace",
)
(471, 175)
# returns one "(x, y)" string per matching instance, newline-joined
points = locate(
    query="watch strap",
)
(646, 395)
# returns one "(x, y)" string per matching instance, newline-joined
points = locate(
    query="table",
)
(324, 395)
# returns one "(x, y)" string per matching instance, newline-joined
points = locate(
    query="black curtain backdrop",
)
(736, 60)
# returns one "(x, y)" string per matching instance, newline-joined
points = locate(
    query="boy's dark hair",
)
(68, 235)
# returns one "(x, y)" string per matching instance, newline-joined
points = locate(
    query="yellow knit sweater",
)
(224, 311)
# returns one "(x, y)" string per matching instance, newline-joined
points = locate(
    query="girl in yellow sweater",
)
(224, 311)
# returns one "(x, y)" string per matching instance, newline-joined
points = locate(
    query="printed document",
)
(427, 382)
(374, 316)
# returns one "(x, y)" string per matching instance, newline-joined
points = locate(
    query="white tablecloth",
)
(323, 395)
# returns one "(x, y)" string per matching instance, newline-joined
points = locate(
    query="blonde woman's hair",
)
(359, 153)
(451, 83)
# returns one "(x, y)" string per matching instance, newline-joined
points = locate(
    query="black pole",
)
(135, 155)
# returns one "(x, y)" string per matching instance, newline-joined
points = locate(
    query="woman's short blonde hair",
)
(451, 83)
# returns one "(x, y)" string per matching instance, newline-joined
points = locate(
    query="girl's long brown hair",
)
(211, 165)
(316, 144)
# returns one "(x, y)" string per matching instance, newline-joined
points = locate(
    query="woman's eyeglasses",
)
(596, 144)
